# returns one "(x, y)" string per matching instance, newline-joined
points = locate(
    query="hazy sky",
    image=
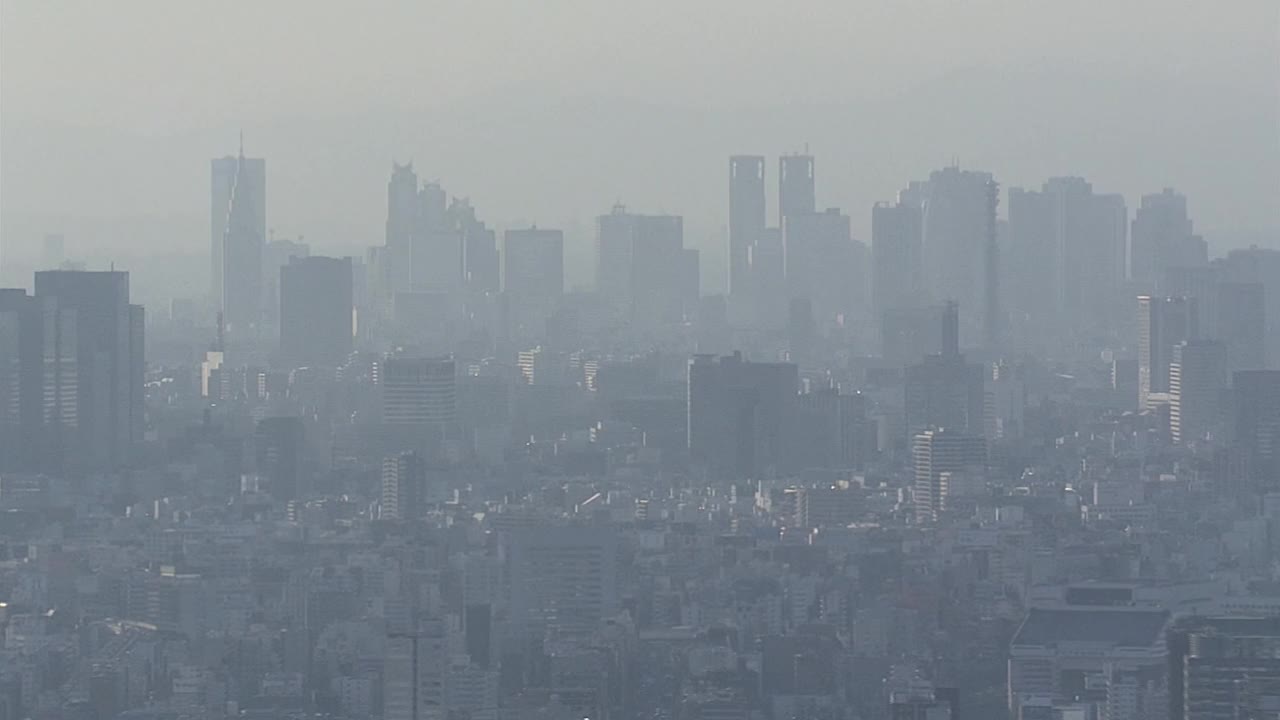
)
(550, 111)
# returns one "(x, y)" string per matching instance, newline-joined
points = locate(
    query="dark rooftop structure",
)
(1121, 627)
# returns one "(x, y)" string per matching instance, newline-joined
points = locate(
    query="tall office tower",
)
(563, 580)
(736, 413)
(419, 391)
(1162, 324)
(403, 212)
(1214, 663)
(768, 272)
(481, 268)
(746, 217)
(533, 268)
(796, 194)
(828, 430)
(945, 391)
(960, 252)
(437, 255)
(1256, 428)
(316, 318)
(53, 252)
(239, 230)
(413, 675)
(91, 359)
(640, 263)
(404, 486)
(897, 246)
(1242, 324)
(279, 447)
(1067, 257)
(1262, 266)
(1198, 386)
(1163, 238)
(20, 381)
(275, 255)
(820, 265)
(935, 454)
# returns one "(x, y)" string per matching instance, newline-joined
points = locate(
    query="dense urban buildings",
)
(991, 465)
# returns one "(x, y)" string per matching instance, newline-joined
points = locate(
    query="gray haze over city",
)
(723, 360)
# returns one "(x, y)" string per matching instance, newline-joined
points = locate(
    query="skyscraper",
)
(736, 413)
(20, 381)
(746, 217)
(316, 310)
(91, 360)
(934, 455)
(641, 266)
(945, 391)
(795, 187)
(1242, 324)
(1163, 238)
(1198, 385)
(403, 212)
(960, 253)
(1067, 252)
(404, 480)
(1256, 430)
(897, 256)
(239, 230)
(1162, 324)
(820, 265)
(533, 261)
(563, 580)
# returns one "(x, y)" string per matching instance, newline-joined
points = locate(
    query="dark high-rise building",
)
(945, 391)
(908, 335)
(960, 252)
(316, 323)
(796, 194)
(1163, 238)
(279, 447)
(482, 269)
(1162, 324)
(20, 381)
(746, 217)
(1198, 385)
(897, 252)
(1257, 421)
(239, 225)
(736, 413)
(533, 262)
(419, 391)
(91, 361)
(934, 455)
(1262, 266)
(1242, 324)
(819, 258)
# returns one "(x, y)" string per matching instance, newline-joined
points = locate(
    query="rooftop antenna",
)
(221, 328)
(242, 142)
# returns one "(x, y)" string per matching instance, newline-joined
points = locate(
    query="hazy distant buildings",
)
(796, 189)
(91, 368)
(1163, 238)
(960, 252)
(820, 263)
(533, 275)
(53, 252)
(21, 380)
(746, 217)
(943, 390)
(642, 269)
(1163, 323)
(1066, 264)
(936, 456)
(1220, 666)
(316, 310)
(563, 581)
(737, 409)
(402, 225)
(897, 252)
(239, 230)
